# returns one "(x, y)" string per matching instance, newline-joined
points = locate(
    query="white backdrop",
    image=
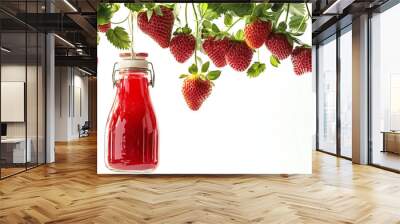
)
(247, 126)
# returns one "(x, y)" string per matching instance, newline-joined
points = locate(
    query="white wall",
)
(69, 81)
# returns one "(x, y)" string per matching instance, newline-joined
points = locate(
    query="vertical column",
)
(360, 90)
(50, 92)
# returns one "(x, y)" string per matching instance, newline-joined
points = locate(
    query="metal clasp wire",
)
(151, 71)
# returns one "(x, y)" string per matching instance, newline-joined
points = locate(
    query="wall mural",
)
(211, 41)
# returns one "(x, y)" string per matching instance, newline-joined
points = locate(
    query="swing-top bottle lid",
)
(138, 61)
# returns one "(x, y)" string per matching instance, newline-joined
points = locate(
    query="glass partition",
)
(14, 153)
(22, 88)
(327, 95)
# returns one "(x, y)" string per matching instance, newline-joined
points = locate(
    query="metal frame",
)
(338, 152)
(44, 74)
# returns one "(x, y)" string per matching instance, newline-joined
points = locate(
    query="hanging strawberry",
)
(239, 55)
(157, 22)
(279, 45)
(301, 59)
(197, 85)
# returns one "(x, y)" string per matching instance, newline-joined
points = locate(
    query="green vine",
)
(197, 34)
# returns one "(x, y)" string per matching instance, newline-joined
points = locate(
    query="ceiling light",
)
(70, 5)
(65, 41)
(84, 71)
(5, 49)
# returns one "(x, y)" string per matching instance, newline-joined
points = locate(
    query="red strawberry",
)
(195, 90)
(256, 33)
(216, 50)
(159, 28)
(279, 45)
(104, 27)
(182, 46)
(239, 56)
(301, 60)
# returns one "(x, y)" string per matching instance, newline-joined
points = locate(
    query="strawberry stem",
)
(130, 23)
(121, 21)
(197, 33)
(287, 12)
(308, 10)
(186, 9)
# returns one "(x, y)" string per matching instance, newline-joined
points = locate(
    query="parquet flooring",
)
(70, 191)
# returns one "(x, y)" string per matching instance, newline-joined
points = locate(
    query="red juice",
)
(132, 134)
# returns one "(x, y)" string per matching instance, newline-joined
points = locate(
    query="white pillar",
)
(50, 99)
(360, 90)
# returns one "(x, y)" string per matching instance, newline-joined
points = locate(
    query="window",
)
(327, 95)
(385, 90)
(346, 92)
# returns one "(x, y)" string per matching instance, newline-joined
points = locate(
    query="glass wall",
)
(22, 89)
(327, 95)
(385, 90)
(346, 92)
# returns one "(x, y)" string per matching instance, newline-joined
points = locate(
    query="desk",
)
(15, 148)
(391, 141)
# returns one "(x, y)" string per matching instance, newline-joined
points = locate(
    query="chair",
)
(84, 130)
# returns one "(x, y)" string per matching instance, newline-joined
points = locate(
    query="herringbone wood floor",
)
(69, 191)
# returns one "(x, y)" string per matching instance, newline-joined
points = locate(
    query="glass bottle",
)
(131, 130)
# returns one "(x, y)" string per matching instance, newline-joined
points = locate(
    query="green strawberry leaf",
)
(239, 9)
(205, 67)
(149, 5)
(199, 60)
(149, 14)
(298, 9)
(211, 15)
(158, 11)
(207, 24)
(183, 76)
(186, 30)
(193, 69)
(203, 8)
(282, 27)
(214, 11)
(215, 28)
(119, 37)
(259, 10)
(239, 35)
(274, 61)
(115, 7)
(134, 7)
(213, 75)
(298, 23)
(228, 19)
(276, 7)
(104, 13)
(256, 69)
